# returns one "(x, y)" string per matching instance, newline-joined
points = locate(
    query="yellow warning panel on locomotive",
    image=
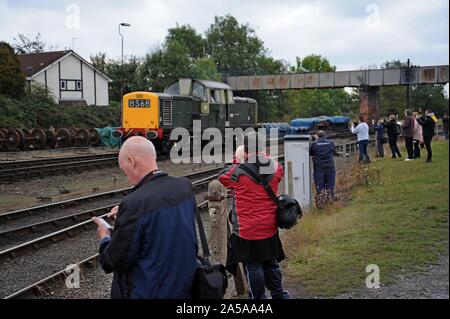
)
(140, 110)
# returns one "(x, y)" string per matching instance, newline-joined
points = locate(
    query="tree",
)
(205, 68)
(314, 63)
(12, 80)
(431, 97)
(234, 47)
(113, 69)
(393, 98)
(24, 45)
(189, 38)
(315, 102)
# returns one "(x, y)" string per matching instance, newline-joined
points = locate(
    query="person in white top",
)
(362, 132)
(417, 137)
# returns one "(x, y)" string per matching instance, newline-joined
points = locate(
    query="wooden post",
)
(219, 208)
(218, 214)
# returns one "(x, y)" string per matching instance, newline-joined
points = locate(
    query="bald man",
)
(152, 250)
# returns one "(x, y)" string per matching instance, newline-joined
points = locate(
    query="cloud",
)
(350, 33)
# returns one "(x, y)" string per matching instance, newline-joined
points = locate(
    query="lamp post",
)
(121, 71)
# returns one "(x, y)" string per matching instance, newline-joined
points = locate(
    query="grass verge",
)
(399, 220)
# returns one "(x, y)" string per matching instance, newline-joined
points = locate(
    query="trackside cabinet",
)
(297, 167)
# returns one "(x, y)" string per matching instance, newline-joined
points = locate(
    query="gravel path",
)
(432, 283)
(35, 265)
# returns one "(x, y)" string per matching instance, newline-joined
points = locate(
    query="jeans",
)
(380, 149)
(363, 156)
(416, 148)
(325, 180)
(262, 275)
(409, 146)
(394, 148)
(427, 141)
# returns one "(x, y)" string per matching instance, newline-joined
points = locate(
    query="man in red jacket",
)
(255, 241)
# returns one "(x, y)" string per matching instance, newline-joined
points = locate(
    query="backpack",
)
(398, 129)
(288, 209)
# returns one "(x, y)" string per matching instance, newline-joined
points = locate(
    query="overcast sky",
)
(351, 34)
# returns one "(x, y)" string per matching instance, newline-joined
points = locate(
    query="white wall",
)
(88, 84)
(102, 90)
(71, 70)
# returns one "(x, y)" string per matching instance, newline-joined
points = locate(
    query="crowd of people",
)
(416, 129)
(152, 248)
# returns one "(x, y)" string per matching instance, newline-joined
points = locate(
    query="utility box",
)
(297, 168)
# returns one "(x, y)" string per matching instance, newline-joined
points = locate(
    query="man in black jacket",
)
(428, 125)
(152, 250)
(322, 151)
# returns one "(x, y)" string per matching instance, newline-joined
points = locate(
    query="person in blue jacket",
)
(379, 129)
(323, 151)
(153, 247)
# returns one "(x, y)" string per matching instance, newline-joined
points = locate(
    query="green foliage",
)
(24, 45)
(113, 69)
(313, 63)
(393, 99)
(233, 46)
(429, 97)
(188, 38)
(37, 109)
(12, 80)
(315, 102)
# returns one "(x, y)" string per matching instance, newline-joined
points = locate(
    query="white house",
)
(69, 78)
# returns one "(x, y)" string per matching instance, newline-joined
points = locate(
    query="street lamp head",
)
(125, 24)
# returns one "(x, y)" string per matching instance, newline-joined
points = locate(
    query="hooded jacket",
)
(153, 248)
(255, 210)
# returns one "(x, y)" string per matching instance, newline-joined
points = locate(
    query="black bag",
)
(288, 211)
(210, 281)
(398, 129)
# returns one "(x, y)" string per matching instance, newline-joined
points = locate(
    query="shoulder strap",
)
(264, 182)
(201, 231)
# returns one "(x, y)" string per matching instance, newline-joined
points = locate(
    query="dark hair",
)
(408, 112)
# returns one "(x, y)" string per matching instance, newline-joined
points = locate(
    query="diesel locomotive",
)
(155, 115)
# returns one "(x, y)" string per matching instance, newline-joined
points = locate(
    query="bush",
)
(37, 109)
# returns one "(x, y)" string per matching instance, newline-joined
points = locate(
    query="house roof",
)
(35, 63)
(32, 63)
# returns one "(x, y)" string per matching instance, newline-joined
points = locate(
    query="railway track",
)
(55, 160)
(39, 287)
(65, 167)
(199, 180)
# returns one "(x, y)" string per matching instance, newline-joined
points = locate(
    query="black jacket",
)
(427, 124)
(322, 151)
(153, 248)
(391, 127)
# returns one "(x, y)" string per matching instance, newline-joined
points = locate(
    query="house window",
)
(63, 85)
(79, 87)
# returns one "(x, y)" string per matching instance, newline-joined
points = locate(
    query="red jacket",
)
(256, 211)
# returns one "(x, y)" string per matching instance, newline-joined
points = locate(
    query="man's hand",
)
(113, 213)
(102, 230)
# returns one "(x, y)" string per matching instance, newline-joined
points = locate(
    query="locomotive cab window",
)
(198, 90)
(230, 98)
(63, 85)
(174, 89)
